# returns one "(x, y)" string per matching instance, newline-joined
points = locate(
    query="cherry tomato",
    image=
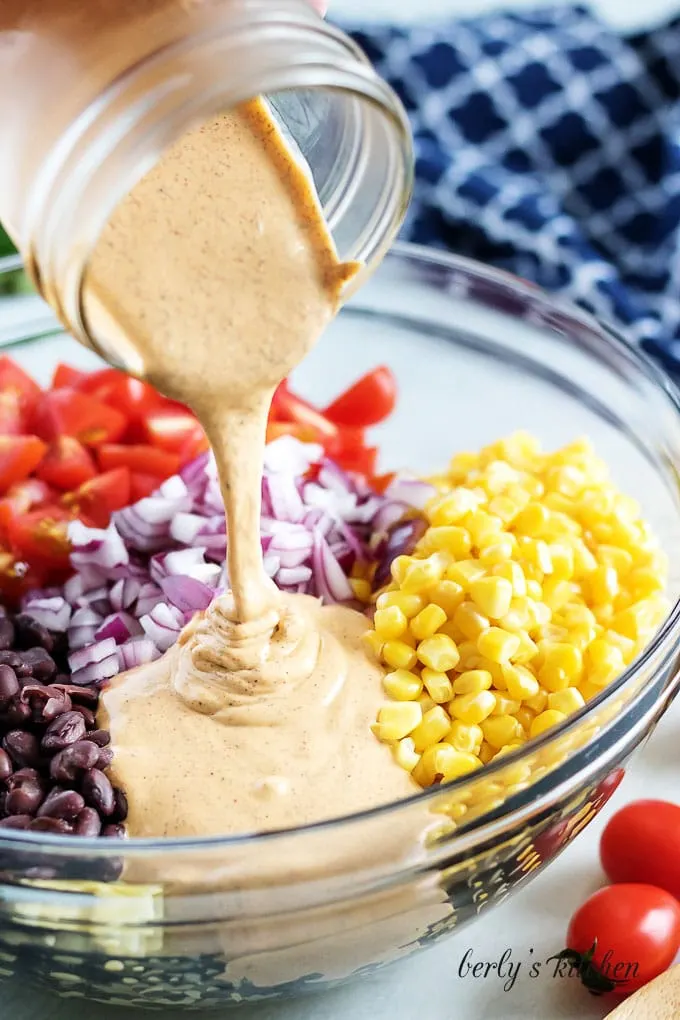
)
(145, 459)
(40, 536)
(68, 412)
(65, 375)
(635, 930)
(67, 464)
(382, 482)
(287, 406)
(171, 428)
(28, 495)
(142, 485)
(369, 401)
(19, 457)
(641, 843)
(96, 500)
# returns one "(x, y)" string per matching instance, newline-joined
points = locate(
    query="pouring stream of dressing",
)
(219, 272)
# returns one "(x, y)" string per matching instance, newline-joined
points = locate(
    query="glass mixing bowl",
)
(222, 921)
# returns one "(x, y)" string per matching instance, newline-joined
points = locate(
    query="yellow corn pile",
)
(534, 586)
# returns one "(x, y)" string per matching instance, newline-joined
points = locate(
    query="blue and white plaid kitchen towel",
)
(549, 145)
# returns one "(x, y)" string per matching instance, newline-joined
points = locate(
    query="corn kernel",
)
(448, 595)
(545, 721)
(427, 622)
(470, 621)
(437, 685)
(402, 685)
(521, 682)
(426, 702)
(399, 655)
(498, 552)
(603, 584)
(525, 717)
(452, 507)
(451, 539)
(472, 708)
(513, 573)
(438, 652)
(472, 681)
(562, 666)
(397, 720)
(420, 574)
(389, 623)
(405, 754)
(374, 643)
(568, 701)
(486, 753)
(492, 596)
(464, 572)
(534, 590)
(556, 594)
(562, 561)
(497, 645)
(462, 463)
(501, 730)
(643, 582)
(620, 559)
(538, 703)
(445, 763)
(485, 529)
(409, 604)
(399, 568)
(527, 649)
(532, 520)
(434, 726)
(505, 705)
(361, 588)
(465, 736)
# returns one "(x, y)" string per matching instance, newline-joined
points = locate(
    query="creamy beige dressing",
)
(217, 274)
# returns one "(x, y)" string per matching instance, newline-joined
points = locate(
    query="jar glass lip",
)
(539, 306)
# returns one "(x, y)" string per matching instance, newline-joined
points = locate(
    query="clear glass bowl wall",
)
(478, 354)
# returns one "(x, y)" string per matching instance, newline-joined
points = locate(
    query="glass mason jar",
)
(92, 94)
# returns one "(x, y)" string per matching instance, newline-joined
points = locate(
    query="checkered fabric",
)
(548, 145)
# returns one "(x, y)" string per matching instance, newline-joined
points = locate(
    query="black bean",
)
(30, 633)
(9, 685)
(88, 823)
(105, 758)
(98, 792)
(79, 695)
(16, 822)
(116, 831)
(100, 737)
(6, 634)
(67, 765)
(20, 776)
(9, 658)
(6, 767)
(38, 663)
(46, 702)
(16, 713)
(61, 804)
(55, 826)
(120, 810)
(66, 729)
(25, 798)
(22, 747)
(87, 714)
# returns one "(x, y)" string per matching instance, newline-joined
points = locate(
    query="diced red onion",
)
(96, 547)
(86, 617)
(412, 491)
(289, 456)
(137, 652)
(119, 626)
(284, 499)
(186, 593)
(97, 652)
(97, 672)
(53, 613)
(162, 625)
(291, 577)
(124, 594)
(272, 565)
(331, 582)
(79, 637)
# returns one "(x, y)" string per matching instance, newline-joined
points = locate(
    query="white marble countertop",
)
(530, 926)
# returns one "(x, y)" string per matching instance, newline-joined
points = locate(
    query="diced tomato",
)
(70, 413)
(195, 445)
(96, 500)
(67, 464)
(134, 398)
(171, 428)
(40, 536)
(29, 494)
(369, 401)
(13, 377)
(361, 461)
(305, 434)
(142, 485)
(287, 406)
(65, 375)
(145, 459)
(382, 482)
(18, 577)
(19, 457)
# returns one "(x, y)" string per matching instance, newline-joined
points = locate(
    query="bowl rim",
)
(540, 301)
